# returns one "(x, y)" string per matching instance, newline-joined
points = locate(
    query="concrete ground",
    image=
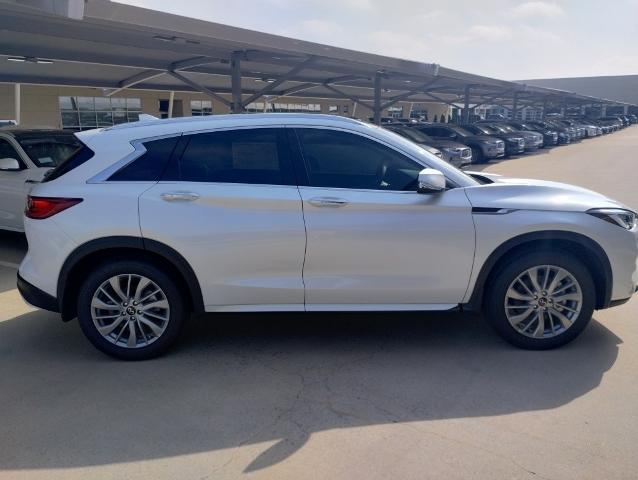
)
(329, 396)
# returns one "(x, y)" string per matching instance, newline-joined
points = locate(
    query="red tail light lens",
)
(45, 207)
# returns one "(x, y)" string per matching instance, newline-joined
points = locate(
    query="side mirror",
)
(9, 164)
(431, 181)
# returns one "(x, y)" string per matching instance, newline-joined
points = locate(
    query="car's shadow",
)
(276, 378)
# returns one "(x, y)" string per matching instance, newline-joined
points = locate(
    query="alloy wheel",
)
(543, 301)
(130, 310)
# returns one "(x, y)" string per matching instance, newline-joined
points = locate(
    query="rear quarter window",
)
(80, 156)
(150, 165)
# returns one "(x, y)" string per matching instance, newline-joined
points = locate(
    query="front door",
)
(373, 242)
(230, 205)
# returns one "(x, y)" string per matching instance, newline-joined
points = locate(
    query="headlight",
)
(618, 216)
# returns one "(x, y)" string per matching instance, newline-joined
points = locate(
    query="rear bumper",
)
(36, 297)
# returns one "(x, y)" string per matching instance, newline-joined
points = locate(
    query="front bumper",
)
(494, 151)
(36, 297)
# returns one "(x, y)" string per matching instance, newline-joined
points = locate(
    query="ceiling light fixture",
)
(29, 60)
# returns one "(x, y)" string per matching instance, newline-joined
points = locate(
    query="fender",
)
(597, 255)
(169, 254)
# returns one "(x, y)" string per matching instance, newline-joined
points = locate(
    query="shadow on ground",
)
(243, 379)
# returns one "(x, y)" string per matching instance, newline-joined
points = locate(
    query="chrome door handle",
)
(179, 196)
(328, 202)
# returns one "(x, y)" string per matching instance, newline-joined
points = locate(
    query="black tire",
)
(500, 280)
(176, 318)
(477, 156)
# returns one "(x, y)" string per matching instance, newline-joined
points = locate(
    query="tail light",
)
(39, 208)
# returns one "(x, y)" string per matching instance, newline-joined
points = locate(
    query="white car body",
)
(15, 184)
(263, 247)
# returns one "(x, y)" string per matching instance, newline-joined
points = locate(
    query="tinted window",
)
(150, 165)
(345, 160)
(7, 151)
(81, 155)
(49, 150)
(255, 156)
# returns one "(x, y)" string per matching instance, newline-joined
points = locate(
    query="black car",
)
(484, 147)
(550, 137)
(453, 152)
(514, 144)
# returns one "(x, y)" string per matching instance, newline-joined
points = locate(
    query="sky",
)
(507, 39)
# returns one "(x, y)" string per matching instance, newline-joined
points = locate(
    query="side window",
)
(345, 160)
(253, 156)
(151, 164)
(436, 132)
(7, 151)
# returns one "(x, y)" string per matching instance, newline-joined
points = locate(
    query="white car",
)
(25, 157)
(151, 221)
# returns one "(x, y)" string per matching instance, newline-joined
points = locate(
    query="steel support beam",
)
(171, 100)
(135, 79)
(376, 111)
(235, 78)
(200, 88)
(408, 94)
(439, 99)
(286, 76)
(466, 104)
(349, 97)
(17, 107)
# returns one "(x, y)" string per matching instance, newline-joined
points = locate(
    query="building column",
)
(514, 105)
(17, 109)
(603, 110)
(171, 100)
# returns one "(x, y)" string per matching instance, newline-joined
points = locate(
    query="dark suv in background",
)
(453, 152)
(514, 144)
(484, 147)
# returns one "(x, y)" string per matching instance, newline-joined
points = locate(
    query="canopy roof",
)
(115, 46)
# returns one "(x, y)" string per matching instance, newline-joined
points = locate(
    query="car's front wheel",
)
(130, 310)
(477, 156)
(540, 300)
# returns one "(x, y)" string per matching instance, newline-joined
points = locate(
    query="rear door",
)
(229, 203)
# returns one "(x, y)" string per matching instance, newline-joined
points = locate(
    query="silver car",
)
(151, 221)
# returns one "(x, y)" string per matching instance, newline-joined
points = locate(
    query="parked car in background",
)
(550, 137)
(564, 136)
(484, 147)
(590, 130)
(514, 144)
(142, 226)
(25, 157)
(453, 152)
(7, 123)
(533, 140)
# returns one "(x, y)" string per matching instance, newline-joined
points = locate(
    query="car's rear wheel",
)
(540, 300)
(130, 310)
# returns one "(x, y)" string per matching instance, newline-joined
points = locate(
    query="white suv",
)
(151, 221)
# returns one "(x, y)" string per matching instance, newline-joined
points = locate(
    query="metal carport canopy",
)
(116, 46)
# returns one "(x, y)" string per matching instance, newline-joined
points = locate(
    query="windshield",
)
(424, 157)
(49, 150)
(463, 131)
(480, 129)
(413, 134)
